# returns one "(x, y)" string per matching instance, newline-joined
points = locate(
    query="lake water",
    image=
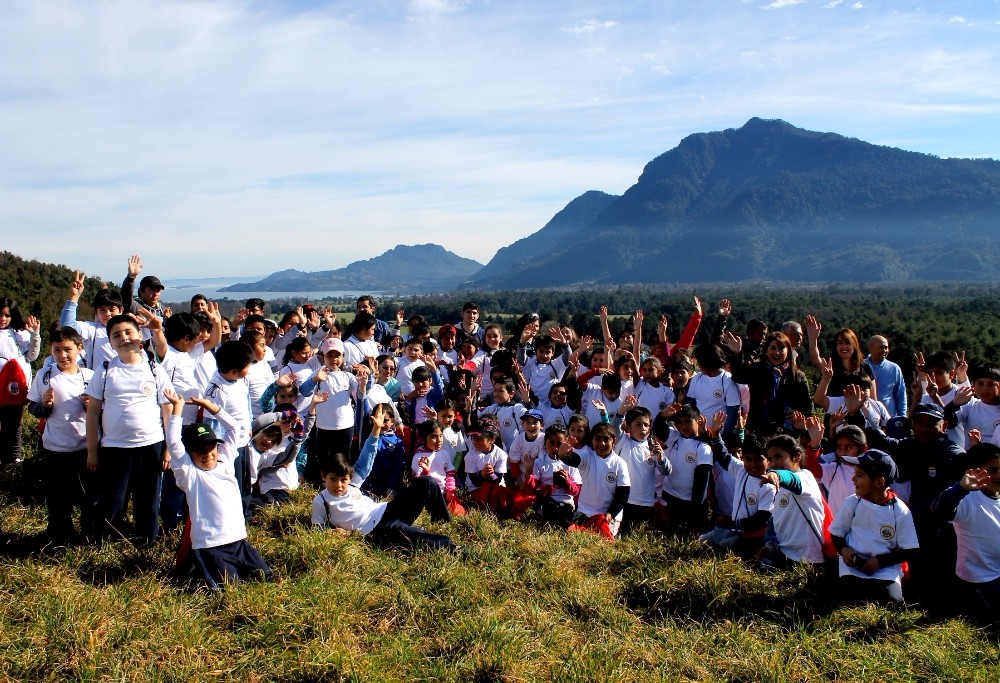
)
(181, 291)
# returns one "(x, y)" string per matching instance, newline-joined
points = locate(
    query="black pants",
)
(633, 517)
(396, 530)
(10, 432)
(854, 589)
(140, 471)
(230, 563)
(556, 513)
(69, 483)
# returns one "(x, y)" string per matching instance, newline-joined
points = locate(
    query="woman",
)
(777, 386)
(521, 342)
(847, 355)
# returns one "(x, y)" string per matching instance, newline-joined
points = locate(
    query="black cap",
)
(150, 281)
(929, 409)
(198, 437)
(877, 464)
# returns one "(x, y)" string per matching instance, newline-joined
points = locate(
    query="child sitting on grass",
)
(605, 486)
(435, 460)
(388, 524)
(203, 468)
(556, 485)
(873, 532)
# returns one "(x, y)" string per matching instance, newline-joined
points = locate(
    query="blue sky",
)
(238, 138)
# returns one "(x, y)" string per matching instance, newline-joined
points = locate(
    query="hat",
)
(877, 464)
(854, 433)
(446, 328)
(897, 428)
(265, 420)
(150, 281)
(469, 339)
(331, 344)
(930, 410)
(489, 425)
(198, 437)
(534, 413)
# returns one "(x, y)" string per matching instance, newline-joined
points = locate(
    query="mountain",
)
(394, 270)
(770, 201)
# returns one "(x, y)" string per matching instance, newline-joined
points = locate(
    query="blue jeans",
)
(138, 471)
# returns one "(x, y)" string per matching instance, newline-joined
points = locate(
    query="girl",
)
(20, 341)
(433, 460)
(643, 456)
(713, 389)
(334, 417)
(777, 386)
(522, 340)
(260, 376)
(800, 519)
(485, 465)
(387, 524)
(554, 483)
(299, 361)
(650, 392)
(605, 482)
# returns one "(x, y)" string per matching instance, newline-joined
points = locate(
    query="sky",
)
(236, 138)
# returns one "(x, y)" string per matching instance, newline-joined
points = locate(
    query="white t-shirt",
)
(66, 426)
(337, 412)
(541, 376)
(653, 399)
(837, 480)
(357, 351)
(404, 374)
(131, 395)
(555, 416)
(978, 415)
(872, 410)
(712, 394)
(440, 464)
(180, 368)
(353, 511)
(509, 417)
(213, 496)
(873, 530)
(522, 447)
(543, 471)
(642, 468)
(593, 392)
(259, 378)
(799, 532)
(232, 396)
(600, 477)
(302, 372)
(283, 477)
(750, 494)
(977, 526)
(476, 460)
(685, 455)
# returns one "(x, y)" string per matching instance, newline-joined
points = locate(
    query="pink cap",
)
(331, 344)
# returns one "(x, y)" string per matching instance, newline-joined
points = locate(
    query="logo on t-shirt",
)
(718, 393)
(783, 501)
(612, 477)
(148, 388)
(689, 457)
(887, 531)
(663, 406)
(508, 422)
(650, 460)
(355, 495)
(751, 499)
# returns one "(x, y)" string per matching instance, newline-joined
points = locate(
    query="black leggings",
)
(396, 530)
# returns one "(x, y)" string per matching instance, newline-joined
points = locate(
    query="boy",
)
(203, 468)
(871, 410)
(942, 374)
(608, 392)
(685, 489)
(973, 507)
(126, 419)
(713, 389)
(977, 407)
(527, 444)
(873, 532)
(150, 288)
(386, 524)
(557, 412)
(413, 357)
(107, 303)
(470, 322)
(229, 388)
(833, 470)
(57, 396)
(544, 371)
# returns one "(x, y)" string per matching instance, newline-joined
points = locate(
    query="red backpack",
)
(13, 384)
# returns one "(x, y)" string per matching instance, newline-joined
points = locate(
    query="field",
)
(521, 604)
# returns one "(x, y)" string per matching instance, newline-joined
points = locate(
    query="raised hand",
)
(975, 479)
(603, 314)
(134, 265)
(961, 367)
(975, 437)
(827, 368)
(697, 305)
(32, 325)
(813, 327)
(286, 380)
(962, 396)
(815, 428)
(853, 398)
(732, 341)
(76, 286)
(718, 422)
(725, 308)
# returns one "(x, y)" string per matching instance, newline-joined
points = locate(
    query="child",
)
(607, 392)
(485, 466)
(434, 461)
(299, 360)
(413, 358)
(800, 517)
(940, 372)
(126, 418)
(557, 412)
(260, 376)
(606, 484)
(681, 372)
(387, 524)
(106, 304)
(685, 491)
(977, 407)
(713, 389)
(389, 466)
(57, 396)
(871, 409)
(527, 444)
(360, 346)
(275, 453)
(873, 532)
(203, 468)
(335, 418)
(742, 529)
(643, 456)
(973, 507)
(834, 471)
(20, 342)
(543, 371)
(650, 393)
(556, 485)
(229, 388)
(507, 413)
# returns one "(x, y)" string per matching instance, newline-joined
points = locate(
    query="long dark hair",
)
(16, 319)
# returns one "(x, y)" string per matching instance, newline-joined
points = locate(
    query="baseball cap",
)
(930, 410)
(150, 281)
(877, 464)
(198, 437)
(331, 344)
(534, 413)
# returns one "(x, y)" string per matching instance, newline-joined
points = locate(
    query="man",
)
(888, 376)
(470, 321)
(366, 304)
(150, 288)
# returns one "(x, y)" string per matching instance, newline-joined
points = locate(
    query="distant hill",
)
(770, 201)
(439, 270)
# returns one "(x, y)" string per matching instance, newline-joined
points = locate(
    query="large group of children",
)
(202, 421)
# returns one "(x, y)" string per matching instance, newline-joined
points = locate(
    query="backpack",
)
(13, 384)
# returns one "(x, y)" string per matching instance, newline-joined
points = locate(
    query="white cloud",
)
(589, 26)
(832, 4)
(858, 5)
(957, 20)
(779, 4)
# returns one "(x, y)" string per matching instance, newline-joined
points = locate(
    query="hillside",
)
(393, 270)
(770, 201)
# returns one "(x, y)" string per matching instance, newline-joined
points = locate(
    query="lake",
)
(181, 291)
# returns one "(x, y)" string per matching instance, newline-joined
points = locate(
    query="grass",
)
(523, 604)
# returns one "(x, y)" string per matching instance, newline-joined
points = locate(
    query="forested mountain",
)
(770, 201)
(393, 270)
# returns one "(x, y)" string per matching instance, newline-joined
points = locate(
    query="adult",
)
(470, 322)
(148, 298)
(889, 382)
(366, 304)
(793, 330)
(522, 341)
(847, 355)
